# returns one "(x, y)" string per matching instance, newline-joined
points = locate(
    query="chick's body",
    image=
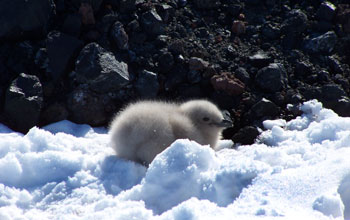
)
(144, 129)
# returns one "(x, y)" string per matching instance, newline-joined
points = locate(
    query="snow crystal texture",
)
(299, 169)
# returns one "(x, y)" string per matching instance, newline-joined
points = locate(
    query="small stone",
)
(296, 22)
(264, 108)
(119, 36)
(242, 75)
(272, 78)
(334, 64)
(238, 27)
(23, 102)
(165, 11)
(152, 23)
(147, 84)
(165, 61)
(324, 43)
(260, 59)
(326, 11)
(246, 135)
(270, 32)
(228, 84)
(198, 64)
(100, 70)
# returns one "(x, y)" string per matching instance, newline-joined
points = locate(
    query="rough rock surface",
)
(23, 103)
(251, 57)
(100, 70)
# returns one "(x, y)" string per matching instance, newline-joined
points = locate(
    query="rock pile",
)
(83, 60)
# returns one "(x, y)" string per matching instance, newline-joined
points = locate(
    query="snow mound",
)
(185, 170)
(299, 169)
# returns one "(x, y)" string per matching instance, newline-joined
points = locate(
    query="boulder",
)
(272, 78)
(61, 50)
(323, 44)
(326, 11)
(100, 70)
(23, 102)
(24, 19)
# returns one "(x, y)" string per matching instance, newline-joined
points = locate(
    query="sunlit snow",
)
(299, 169)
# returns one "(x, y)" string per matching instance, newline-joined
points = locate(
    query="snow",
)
(298, 169)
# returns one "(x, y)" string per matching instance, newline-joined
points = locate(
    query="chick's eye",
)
(205, 119)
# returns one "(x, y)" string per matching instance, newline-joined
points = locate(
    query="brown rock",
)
(198, 64)
(228, 84)
(238, 27)
(87, 14)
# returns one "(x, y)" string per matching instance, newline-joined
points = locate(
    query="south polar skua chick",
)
(145, 128)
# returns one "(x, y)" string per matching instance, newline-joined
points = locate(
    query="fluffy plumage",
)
(144, 129)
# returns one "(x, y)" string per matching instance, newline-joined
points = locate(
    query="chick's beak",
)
(224, 123)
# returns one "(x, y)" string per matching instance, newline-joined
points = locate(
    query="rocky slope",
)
(83, 60)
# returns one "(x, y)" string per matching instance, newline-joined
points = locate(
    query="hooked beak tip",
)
(224, 123)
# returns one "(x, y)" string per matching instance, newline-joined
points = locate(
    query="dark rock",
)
(242, 75)
(72, 25)
(152, 23)
(296, 21)
(270, 32)
(334, 64)
(272, 78)
(264, 108)
(238, 27)
(165, 61)
(206, 4)
(292, 40)
(162, 40)
(87, 107)
(177, 47)
(165, 11)
(100, 70)
(53, 113)
(24, 99)
(127, 5)
(119, 36)
(324, 43)
(323, 76)
(332, 92)
(24, 19)
(260, 59)
(194, 76)
(326, 11)
(61, 50)
(147, 85)
(303, 69)
(246, 135)
(227, 83)
(197, 64)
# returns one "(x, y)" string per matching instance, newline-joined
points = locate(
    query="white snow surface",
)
(300, 169)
